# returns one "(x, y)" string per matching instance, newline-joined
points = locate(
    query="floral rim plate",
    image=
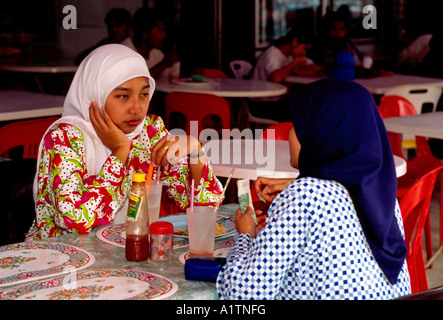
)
(31, 261)
(116, 235)
(181, 222)
(104, 284)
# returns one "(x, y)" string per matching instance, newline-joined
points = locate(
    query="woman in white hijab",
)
(87, 157)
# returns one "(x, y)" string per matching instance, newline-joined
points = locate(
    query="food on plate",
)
(181, 232)
(219, 229)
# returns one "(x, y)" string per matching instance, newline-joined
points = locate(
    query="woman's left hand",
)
(245, 222)
(173, 147)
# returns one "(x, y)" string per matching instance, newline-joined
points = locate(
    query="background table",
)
(426, 124)
(226, 155)
(57, 66)
(228, 88)
(272, 160)
(15, 105)
(377, 85)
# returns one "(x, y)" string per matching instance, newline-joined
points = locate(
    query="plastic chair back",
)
(415, 211)
(420, 96)
(240, 68)
(197, 107)
(27, 133)
(281, 131)
(395, 138)
(396, 106)
(214, 73)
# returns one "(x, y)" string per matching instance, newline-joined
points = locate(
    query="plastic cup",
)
(367, 62)
(201, 231)
(154, 191)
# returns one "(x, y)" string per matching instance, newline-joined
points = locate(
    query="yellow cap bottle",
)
(138, 177)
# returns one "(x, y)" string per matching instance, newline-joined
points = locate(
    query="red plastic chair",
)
(214, 73)
(415, 211)
(281, 131)
(197, 107)
(27, 133)
(423, 162)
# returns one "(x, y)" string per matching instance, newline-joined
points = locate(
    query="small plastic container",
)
(161, 241)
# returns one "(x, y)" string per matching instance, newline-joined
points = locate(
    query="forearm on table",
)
(281, 74)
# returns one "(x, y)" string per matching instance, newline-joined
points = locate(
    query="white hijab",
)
(100, 72)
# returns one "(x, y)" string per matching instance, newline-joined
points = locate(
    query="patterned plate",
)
(105, 284)
(181, 222)
(31, 261)
(221, 250)
(116, 235)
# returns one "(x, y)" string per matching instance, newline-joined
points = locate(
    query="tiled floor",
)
(435, 275)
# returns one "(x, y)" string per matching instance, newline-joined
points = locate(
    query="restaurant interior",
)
(220, 41)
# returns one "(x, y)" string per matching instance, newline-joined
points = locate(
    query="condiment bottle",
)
(161, 241)
(137, 221)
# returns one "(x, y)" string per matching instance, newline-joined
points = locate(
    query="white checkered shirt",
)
(313, 247)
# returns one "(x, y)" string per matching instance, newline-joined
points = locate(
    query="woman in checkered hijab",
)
(336, 231)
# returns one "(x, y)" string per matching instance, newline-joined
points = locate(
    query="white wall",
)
(91, 27)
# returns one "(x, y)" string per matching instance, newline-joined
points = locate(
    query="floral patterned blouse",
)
(71, 200)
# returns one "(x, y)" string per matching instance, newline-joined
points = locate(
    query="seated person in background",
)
(334, 40)
(87, 158)
(119, 25)
(412, 56)
(148, 39)
(284, 57)
(432, 64)
(336, 231)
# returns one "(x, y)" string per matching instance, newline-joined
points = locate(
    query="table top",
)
(111, 256)
(253, 158)
(16, 105)
(377, 85)
(426, 124)
(250, 158)
(53, 66)
(229, 88)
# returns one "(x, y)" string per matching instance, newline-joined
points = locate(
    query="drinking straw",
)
(148, 179)
(192, 195)
(224, 189)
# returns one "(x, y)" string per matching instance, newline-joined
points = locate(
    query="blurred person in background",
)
(148, 39)
(119, 25)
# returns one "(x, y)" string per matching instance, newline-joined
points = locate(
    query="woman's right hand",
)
(110, 135)
(270, 188)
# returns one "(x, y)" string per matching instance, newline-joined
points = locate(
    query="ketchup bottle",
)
(137, 221)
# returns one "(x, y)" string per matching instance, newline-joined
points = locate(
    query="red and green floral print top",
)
(71, 200)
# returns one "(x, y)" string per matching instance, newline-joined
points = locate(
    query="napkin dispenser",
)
(204, 269)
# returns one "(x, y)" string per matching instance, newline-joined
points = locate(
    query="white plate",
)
(181, 222)
(102, 284)
(31, 261)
